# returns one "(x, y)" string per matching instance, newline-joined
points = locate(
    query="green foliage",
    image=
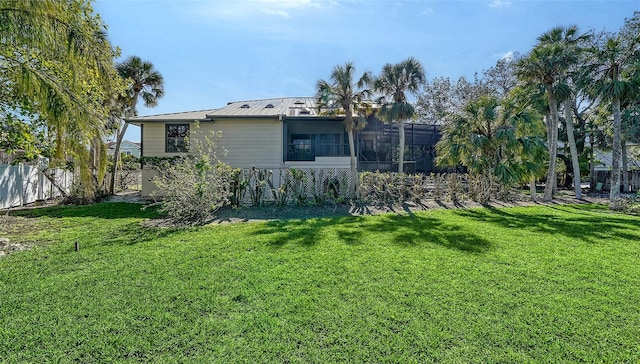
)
(384, 189)
(56, 70)
(194, 186)
(494, 141)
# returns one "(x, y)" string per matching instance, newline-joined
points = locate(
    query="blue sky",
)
(211, 52)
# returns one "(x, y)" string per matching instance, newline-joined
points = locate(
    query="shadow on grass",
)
(308, 232)
(590, 223)
(103, 210)
(413, 230)
(401, 230)
(135, 233)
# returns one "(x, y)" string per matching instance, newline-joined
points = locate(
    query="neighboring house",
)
(603, 160)
(126, 147)
(282, 133)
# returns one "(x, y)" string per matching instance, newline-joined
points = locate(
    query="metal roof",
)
(177, 116)
(266, 108)
(287, 106)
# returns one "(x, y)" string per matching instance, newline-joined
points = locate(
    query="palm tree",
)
(394, 83)
(345, 96)
(499, 142)
(547, 65)
(607, 79)
(144, 82)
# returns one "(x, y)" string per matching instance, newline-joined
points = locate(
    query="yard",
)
(521, 284)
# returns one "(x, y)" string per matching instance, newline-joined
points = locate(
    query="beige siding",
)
(147, 182)
(248, 143)
(251, 143)
(242, 144)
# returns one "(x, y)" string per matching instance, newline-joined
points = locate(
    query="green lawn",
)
(526, 284)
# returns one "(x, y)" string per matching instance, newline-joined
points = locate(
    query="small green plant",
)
(299, 182)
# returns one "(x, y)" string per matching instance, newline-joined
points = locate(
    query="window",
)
(328, 145)
(176, 138)
(301, 147)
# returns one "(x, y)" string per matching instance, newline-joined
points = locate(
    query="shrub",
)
(191, 188)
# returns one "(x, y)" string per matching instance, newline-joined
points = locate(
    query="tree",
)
(608, 78)
(495, 141)
(547, 64)
(345, 96)
(143, 82)
(393, 83)
(56, 67)
(501, 78)
(441, 97)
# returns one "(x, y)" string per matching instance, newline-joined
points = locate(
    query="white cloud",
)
(507, 56)
(499, 3)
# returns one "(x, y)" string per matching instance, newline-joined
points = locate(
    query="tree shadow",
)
(102, 210)
(308, 232)
(406, 230)
(415, 230)
(580, 222)
(135, 233)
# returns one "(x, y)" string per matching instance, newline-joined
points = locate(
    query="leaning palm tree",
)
(547, 65)
(343, 95)
(609, 80)
(572, 43)
(144, 82)
(394, 83)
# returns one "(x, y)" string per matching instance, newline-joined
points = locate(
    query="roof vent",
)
(269, 106)
(305, 111)
(244, 106)
(299, 102)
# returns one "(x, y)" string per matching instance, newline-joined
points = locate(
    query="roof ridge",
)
(271, 99)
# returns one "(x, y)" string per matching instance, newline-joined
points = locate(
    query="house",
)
(283, 133)
(127, 147)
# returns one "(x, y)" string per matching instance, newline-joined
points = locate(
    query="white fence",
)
(22, 184)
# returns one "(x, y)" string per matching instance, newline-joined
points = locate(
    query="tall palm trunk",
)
(553, 144)
(625, 168)
(353, 186)
(116, 157)
(401, 147)
(532, 189)
(616, 152)
(119, 137)
(568, 117)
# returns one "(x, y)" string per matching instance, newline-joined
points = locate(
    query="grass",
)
(524, 284)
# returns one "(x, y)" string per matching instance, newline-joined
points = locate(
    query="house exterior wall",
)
(243, 143)
(248, 143)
